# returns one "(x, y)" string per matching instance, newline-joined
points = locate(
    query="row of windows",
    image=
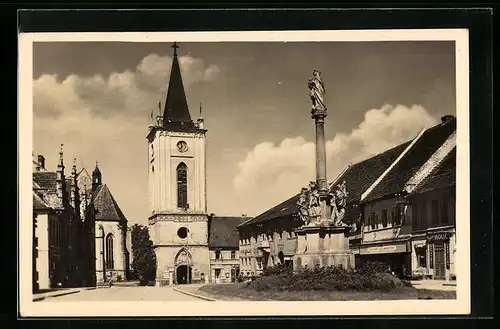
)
(396, 218)
(218, 254)
(438, 209)
(267, 237)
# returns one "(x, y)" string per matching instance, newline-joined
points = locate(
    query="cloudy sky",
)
(97, 98)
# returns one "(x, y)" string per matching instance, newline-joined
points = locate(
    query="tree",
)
(144, 263)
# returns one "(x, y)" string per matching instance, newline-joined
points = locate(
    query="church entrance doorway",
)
(183, 274)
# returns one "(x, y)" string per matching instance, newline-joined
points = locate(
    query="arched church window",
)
(182, 186)
(109, 252)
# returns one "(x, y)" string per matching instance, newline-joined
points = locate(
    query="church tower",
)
(178, 224)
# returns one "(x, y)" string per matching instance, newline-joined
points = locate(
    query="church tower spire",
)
(176, 111)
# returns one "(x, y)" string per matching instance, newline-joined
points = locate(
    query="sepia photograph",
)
(244, 173)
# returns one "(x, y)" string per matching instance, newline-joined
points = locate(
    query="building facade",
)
(60, 249)
(223, 249)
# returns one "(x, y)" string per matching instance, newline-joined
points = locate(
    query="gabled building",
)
(387, 228)
(224, 248)
(433, 202)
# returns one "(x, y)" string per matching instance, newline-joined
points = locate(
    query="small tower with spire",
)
(75, 194)
(60, 179)
(96, 177)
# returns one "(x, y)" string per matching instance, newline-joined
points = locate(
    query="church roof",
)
(106, 207)
(443, 176)
(223, 232)
(39, 203)
(176, 109)
(413, 160)
(358, 178)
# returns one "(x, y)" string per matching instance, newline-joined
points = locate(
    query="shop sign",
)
(396, 248)
(440, 236)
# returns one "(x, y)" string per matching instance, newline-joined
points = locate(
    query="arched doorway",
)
(183, 274)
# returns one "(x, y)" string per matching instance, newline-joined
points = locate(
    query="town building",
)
(433, 227)
(61, 255)
(185, 237)
(388, 229)
(224, 249)
(382, 193)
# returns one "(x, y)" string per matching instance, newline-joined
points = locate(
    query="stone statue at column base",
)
(322, 239)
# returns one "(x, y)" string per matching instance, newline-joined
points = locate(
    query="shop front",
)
(433, 255)
(396, 254)
(440, 250)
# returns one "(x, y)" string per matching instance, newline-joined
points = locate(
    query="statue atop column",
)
(317, 93)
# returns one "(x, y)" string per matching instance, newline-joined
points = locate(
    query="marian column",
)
(322, 239)
(319, 113)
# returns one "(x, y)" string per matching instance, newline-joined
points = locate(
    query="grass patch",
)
(234, 291)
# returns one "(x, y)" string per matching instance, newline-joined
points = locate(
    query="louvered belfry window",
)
(181, 186)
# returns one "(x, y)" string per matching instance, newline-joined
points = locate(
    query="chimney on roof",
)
(41, 162)
(447, 118)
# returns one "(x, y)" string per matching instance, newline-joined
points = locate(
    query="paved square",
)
(124, 294)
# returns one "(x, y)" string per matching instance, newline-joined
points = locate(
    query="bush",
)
(372, 267)
(369, 277)
(276, 270)
(118, 278)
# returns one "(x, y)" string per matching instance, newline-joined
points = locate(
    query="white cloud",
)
(271, 173)
(105, 118)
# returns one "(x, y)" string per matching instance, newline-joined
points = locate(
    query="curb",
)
(37, 299)
(195, 295)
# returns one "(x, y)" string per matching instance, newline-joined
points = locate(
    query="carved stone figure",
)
(183, 258)
(314, 204)
(317, 92)
(303, 204)
(339, 202)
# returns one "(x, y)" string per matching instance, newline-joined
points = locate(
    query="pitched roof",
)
(107, 208)
(39, 203)
(410, 163)
(223, 232)
(176, 107)
(46, 180)
(443, 176)
(358, 178)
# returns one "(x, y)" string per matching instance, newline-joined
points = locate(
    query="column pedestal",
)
(323, 246)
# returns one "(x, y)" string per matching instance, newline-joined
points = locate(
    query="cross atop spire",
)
(176, 112)
(175, 46)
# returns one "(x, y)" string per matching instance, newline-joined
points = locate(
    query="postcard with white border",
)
(244, 173)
